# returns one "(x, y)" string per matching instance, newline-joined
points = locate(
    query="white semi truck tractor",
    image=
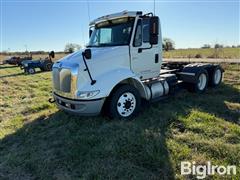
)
(121, 67)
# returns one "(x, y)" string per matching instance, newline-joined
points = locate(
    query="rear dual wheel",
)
(216, 76)
(203, 79)
(201, 82)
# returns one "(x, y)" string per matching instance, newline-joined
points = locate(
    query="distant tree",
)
(206, 46)
(4, 52)
(38, 52)
(238, 46)
(217, 46)
(71, 47)
(234, 46)
(168, 44)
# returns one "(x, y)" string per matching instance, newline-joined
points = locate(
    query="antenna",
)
(83, 37)
(88, 11)
(26, 47)
(154, 7)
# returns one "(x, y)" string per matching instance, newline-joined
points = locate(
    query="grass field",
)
(226, 53)
(39, 142)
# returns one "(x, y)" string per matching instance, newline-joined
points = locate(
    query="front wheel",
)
(125, 102)
(31, 70)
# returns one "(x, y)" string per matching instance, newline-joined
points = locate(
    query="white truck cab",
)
(120, 66)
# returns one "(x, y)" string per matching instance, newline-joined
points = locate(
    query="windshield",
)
(112, 33)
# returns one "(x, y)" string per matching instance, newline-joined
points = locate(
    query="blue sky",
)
(49, 25)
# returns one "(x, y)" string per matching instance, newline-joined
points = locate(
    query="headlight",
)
(86, 94)
(25, 65)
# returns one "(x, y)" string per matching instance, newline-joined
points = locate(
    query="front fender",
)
(107, 81)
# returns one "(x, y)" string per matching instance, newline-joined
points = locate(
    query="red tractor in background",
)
(17, 60)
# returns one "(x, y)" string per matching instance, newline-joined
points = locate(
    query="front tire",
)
(125, 102)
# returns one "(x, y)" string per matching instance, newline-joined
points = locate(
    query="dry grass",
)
(224, 53)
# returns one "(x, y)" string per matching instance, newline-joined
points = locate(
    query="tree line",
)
(217, 46)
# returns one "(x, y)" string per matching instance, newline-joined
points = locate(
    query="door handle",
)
(156, 58)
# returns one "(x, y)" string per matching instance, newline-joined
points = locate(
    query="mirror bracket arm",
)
(87, 69)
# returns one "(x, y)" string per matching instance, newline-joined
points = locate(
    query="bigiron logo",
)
(202, 171)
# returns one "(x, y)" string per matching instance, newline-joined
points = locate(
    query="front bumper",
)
(80, 107)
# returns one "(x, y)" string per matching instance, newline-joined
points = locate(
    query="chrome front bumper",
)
(80, 107)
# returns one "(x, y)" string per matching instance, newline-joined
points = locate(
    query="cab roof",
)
(115, 16)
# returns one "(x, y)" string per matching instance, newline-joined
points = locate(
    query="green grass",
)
(40, 142)
(228, 53)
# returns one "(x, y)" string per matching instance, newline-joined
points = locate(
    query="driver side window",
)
(138, 34)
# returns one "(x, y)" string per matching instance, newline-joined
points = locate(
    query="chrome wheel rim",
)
(126, 104)
(217, 76)
(202, 81)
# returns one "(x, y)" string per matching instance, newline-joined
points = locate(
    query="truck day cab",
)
(121, 66)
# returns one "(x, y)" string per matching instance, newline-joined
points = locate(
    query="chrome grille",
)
(62, 79)
(56, 80)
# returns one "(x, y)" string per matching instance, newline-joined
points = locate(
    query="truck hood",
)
(74, 58)
(101, 56)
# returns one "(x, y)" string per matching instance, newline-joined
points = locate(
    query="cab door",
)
(145, 59)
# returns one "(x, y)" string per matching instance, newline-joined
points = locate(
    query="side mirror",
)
(52, 54)
(153, 30)
(87, 53)
(90, 32)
